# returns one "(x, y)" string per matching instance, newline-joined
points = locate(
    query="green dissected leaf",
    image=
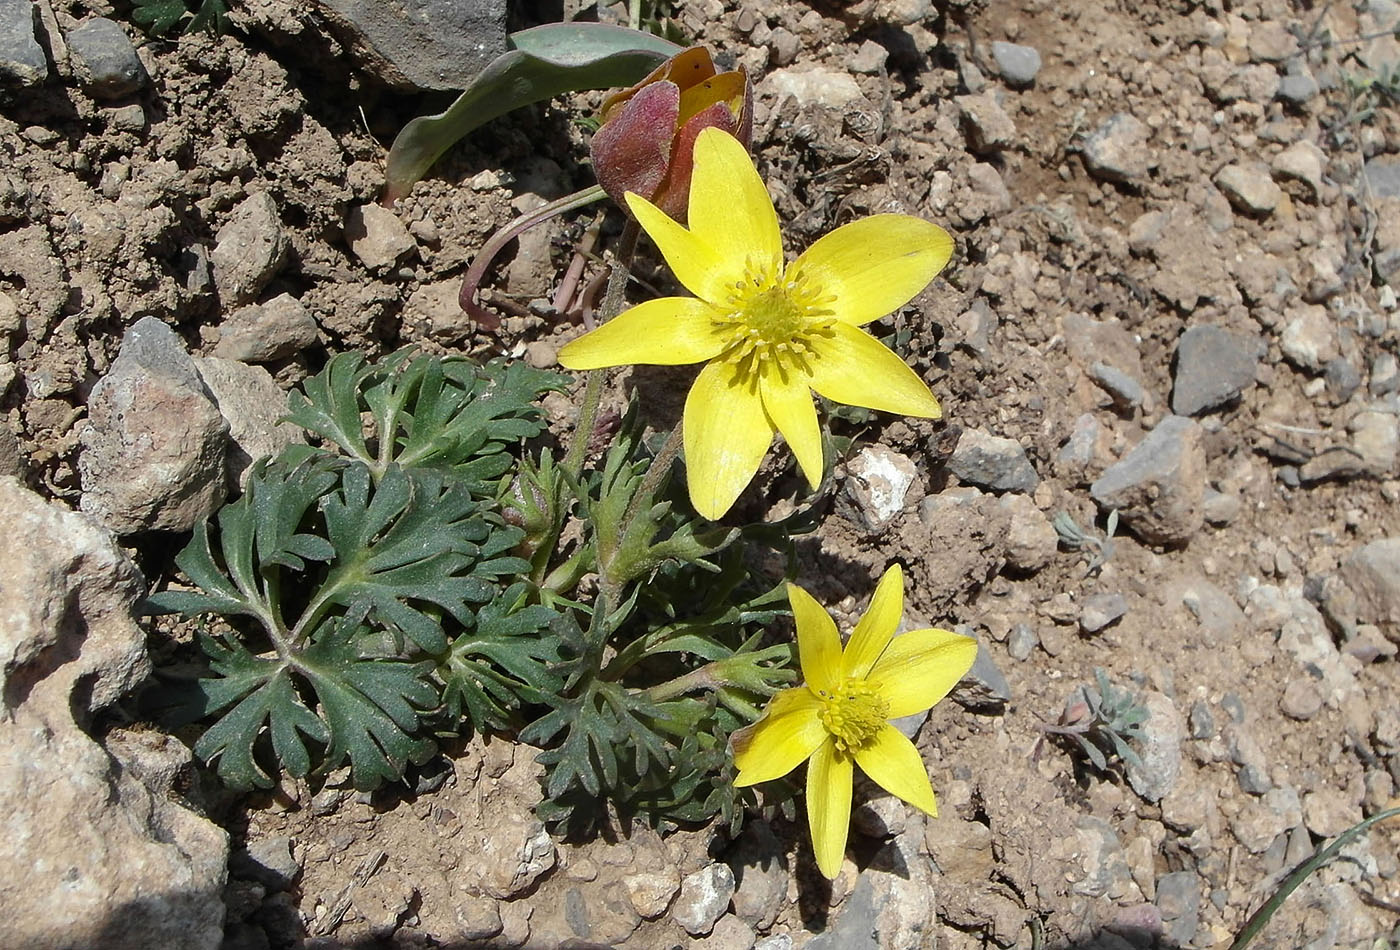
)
(329, 405)
(212, 17)
(506, 660)
(352, 582)
(546, 61)
(413, 543)
(258, 533)
(158, 16)
(366, 710)
(605, 719)
(428, 412)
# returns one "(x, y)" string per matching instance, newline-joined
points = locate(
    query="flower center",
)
(853, 713)
(772, 319)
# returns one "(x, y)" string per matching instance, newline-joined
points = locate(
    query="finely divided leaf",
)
(158, 16)
(506, 660)
(329, 405)
(411, 544)
(427, 412)
(372, 707)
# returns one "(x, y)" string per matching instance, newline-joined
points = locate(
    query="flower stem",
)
(702, 678)
(660, 467)
(466, 298)
(613, 300)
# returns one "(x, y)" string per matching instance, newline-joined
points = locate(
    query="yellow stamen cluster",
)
(853, 713)
(770, 318)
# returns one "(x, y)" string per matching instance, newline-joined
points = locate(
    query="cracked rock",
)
(703, 899)
(21, 56)
(109, 859)
(878, 481)
(420, 44)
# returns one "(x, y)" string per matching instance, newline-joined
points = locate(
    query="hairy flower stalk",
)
(840, 716)
(770, 333)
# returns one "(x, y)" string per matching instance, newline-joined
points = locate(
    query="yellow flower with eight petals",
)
(840, 715)
(771, 333)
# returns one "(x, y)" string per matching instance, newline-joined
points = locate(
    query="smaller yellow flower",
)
(840, 716)
(770, 333)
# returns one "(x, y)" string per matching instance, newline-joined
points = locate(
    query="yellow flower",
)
(772, 333)
(840, 715)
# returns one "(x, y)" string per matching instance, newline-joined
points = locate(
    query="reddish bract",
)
(648, 130)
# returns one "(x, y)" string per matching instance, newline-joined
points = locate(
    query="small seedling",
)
(1077, 539)
(1101, 722)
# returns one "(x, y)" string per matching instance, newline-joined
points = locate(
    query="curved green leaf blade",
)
(547, 61)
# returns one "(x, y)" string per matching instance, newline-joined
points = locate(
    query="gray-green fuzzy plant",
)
(1100, 723)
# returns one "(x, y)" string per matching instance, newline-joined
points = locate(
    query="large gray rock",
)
(1213, 366)
(108, 860)
(153, 448)
(105, 60)
(1159, 487)
(21, 57)
(420, 44)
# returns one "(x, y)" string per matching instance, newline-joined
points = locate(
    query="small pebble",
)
(1021, 641)
(1100, 610)
(1302, 700)
(1201, 720)
(1017, 64)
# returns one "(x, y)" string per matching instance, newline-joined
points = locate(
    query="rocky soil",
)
(1177, 226)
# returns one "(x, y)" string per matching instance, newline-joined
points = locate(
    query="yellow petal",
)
(726, 434)
(789, 404)
(873, 631)
(875, 265)
(784, 738)
(726, 87)
(700, 268)
(667, 331)
(919, 668)
(895, 765)
(829, 806)
(818, 643)
(853, 367)
(730, 207)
